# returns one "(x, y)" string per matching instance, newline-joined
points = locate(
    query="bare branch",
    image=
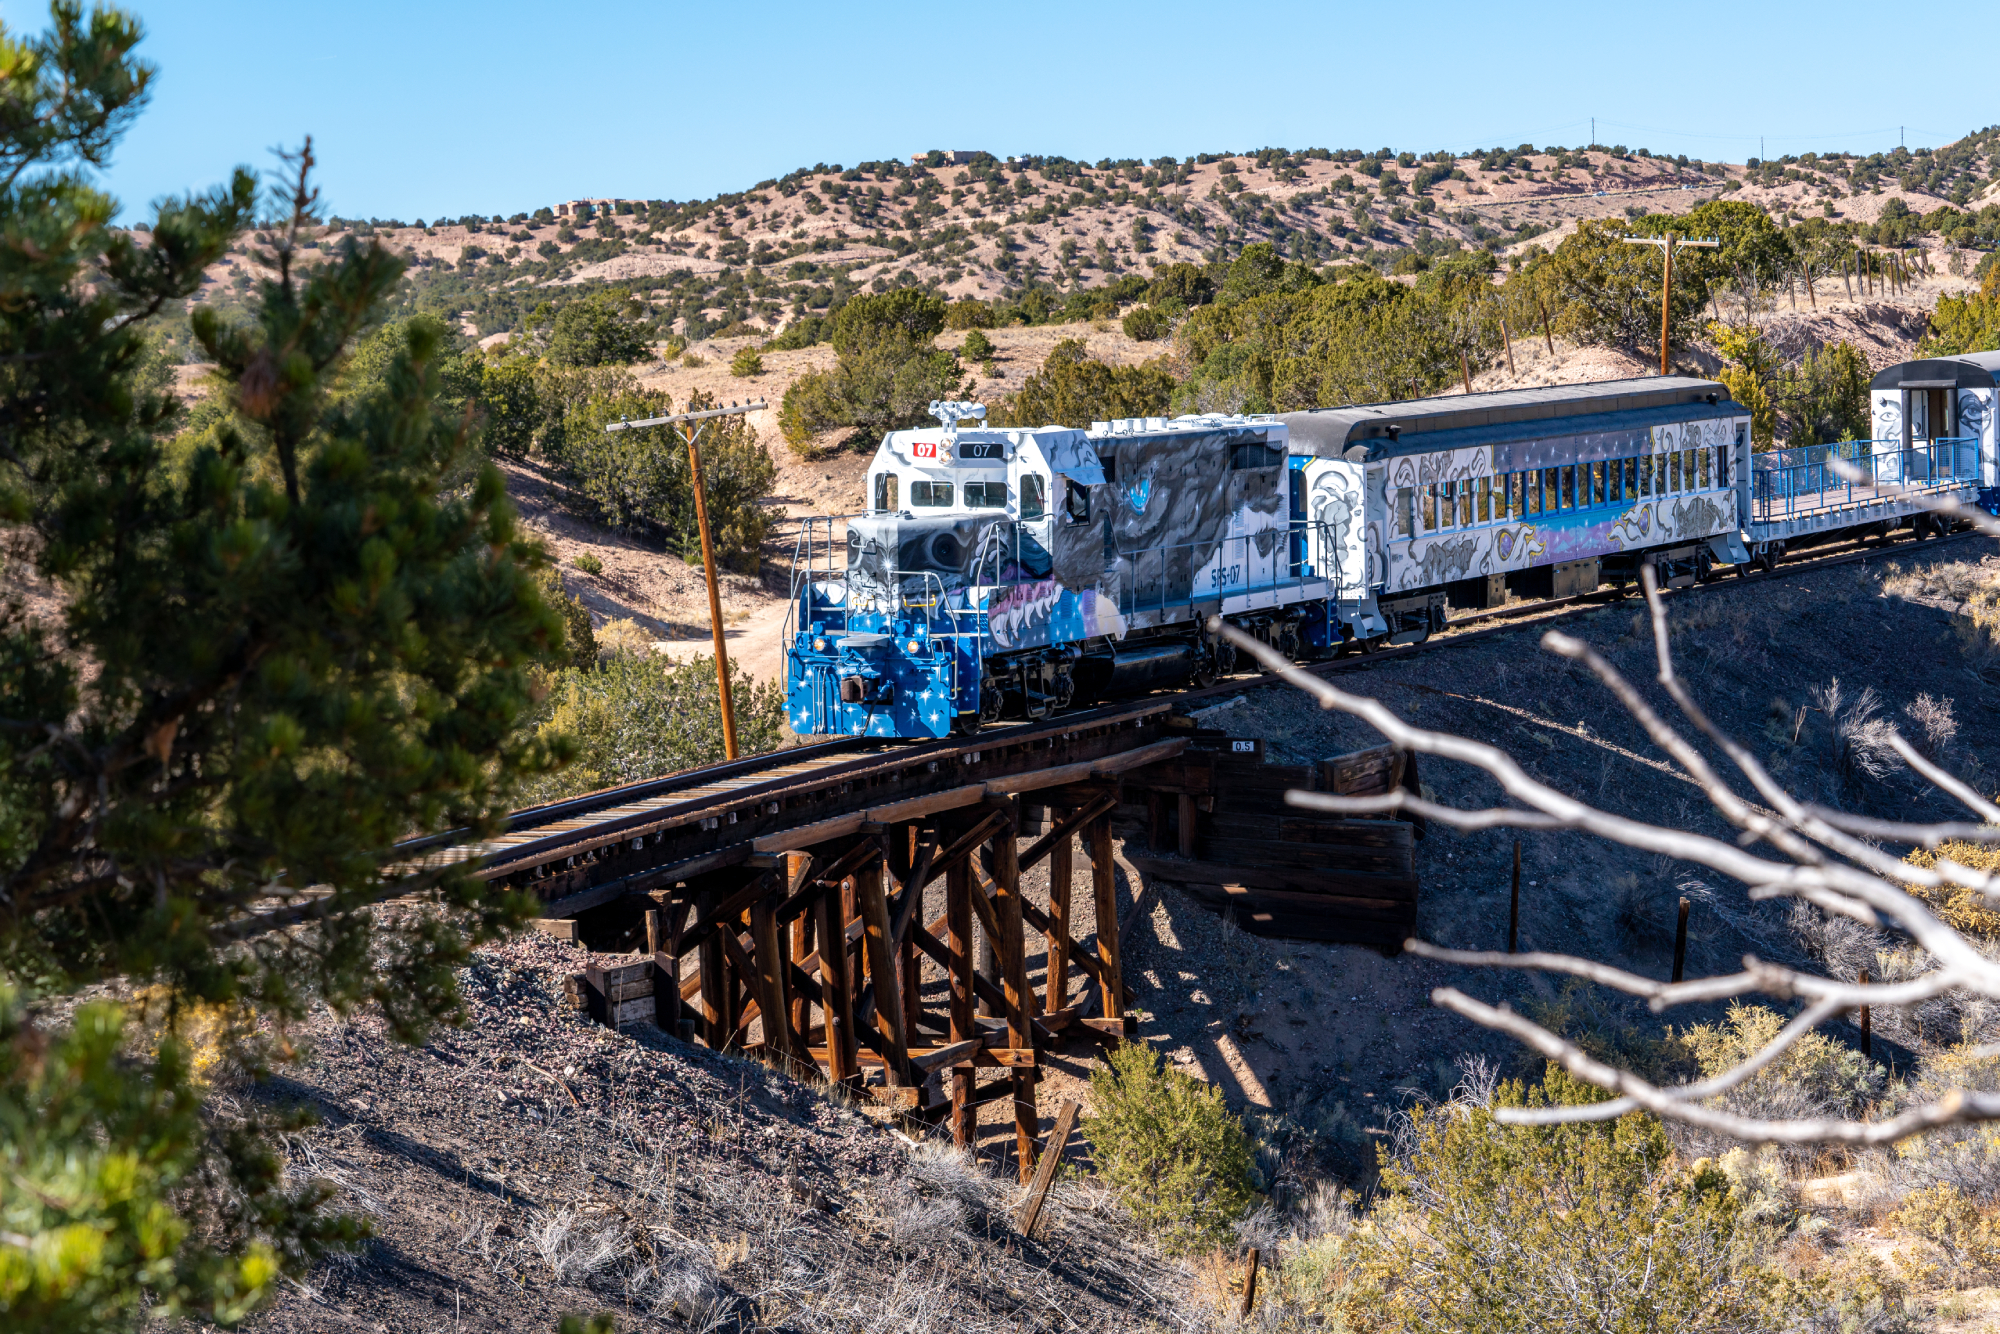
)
(1938, 778)
(1958, 1105)
(1936, 504)
(1825, 857)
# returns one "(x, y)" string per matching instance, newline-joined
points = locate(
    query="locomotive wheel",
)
(990, 701)
(964, 724)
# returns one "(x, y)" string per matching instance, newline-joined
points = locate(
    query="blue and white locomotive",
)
(1016, 572)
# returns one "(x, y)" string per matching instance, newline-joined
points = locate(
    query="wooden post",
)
(1867, 1037)
(773, 980)
(1547, 337)
(1013, 962)
(1846, 279)
(1666, 302)
(714, 992)
(714, 599)
(1249, 1283)
(1056, 994)
(796, 864)
(1681, 942)
(1045, 1171)
(1188, 818)
(1465, 369)
(1812, 296)
(958, 891)
(908, 965)
(1507, 338)
(667, 970)
(1514, 907)
(837, 999)
(882, 968)
(1104, 891)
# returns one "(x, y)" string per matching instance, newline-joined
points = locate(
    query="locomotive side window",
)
(885, 491)
(1254, 454)
(1034, 496)
(930, 495)
(986, 495)
(1076, 503)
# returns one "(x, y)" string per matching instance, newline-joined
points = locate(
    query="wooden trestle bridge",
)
(790, 903)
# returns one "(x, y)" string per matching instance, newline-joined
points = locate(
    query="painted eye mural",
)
(1973, 411)
(1888, 419)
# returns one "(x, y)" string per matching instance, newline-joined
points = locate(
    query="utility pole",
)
(1666, 244)
(693, 440)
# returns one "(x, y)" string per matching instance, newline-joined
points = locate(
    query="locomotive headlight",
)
(819, 646)
(916, 646)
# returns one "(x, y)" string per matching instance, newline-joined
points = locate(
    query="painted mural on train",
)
(1440, 517)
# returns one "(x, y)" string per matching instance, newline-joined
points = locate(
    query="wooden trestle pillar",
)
(829, 952)
(959, 890)
(1011, 942)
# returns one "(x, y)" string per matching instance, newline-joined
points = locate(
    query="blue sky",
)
(428, 109)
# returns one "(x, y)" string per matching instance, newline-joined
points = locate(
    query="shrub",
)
(888, 374)
(1816, 1077)
(1146, 324)
(639, 717)
(1943, 1217)
(588, 563)
(801, 332)
(976, 347)
(746, 363)
(1960, 908)
(1491, 1227)
(968, 313)
(624, 638)
(579, 646)
(1169, 1146)
(602, 329)
(1074, 389)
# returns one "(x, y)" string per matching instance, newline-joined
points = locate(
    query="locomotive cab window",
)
(986, 495)
(930, 495)
(1034, 495)
(885, 491)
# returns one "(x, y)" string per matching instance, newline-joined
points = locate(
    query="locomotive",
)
(1019, 571)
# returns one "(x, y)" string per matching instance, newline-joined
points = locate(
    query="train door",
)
(1032, 539)
(1295, 473)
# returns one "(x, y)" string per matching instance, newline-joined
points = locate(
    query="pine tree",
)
(307, 640)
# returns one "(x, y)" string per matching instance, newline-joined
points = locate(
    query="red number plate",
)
(924, 449)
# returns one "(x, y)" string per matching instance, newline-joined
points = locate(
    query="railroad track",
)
(588, 850)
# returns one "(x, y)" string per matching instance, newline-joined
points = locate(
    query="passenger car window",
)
(930, 495)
